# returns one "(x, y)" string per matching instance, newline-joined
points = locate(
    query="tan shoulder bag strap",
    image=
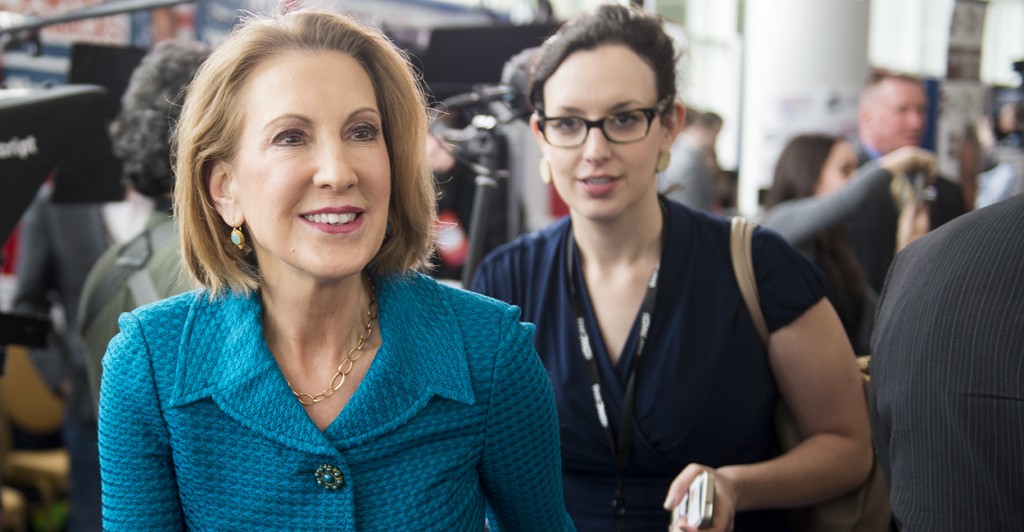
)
(741, 235)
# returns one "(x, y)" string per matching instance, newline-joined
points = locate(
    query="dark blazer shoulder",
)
(539, 241)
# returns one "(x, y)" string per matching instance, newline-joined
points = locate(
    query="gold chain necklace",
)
(346, 365)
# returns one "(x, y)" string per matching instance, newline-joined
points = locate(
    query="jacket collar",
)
(223, 355)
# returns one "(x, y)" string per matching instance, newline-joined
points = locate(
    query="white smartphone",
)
(922, 192)
(698, 505)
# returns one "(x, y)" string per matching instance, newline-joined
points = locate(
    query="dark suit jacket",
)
(59, 244)
(873, 231)
(947, 375)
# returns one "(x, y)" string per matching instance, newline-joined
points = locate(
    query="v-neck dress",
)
(704, 389)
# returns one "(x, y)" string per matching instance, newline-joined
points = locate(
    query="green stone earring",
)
(238, 237)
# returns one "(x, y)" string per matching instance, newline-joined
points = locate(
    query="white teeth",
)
(598, 180)
(332, 218)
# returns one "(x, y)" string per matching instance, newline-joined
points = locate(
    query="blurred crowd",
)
(864, 248)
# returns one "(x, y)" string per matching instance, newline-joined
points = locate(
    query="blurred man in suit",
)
(892, 114)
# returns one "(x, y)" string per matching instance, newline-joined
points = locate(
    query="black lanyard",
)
(620, 451)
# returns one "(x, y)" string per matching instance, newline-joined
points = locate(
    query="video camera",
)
(481, 128)
(491, 109)
(486, 111)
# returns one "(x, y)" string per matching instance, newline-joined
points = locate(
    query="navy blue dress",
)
(704, 389)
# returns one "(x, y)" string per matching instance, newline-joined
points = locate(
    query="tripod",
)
(491, 157)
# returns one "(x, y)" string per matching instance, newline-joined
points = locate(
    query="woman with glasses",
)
(657, 369)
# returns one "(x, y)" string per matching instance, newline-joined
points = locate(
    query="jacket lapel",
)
(423, 355)
(224, 356)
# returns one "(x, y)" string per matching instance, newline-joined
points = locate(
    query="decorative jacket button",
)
(329, 477)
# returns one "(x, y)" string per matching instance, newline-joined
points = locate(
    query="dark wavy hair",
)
(798, 169)
(142, 131)
(797, 173)
(641, 31)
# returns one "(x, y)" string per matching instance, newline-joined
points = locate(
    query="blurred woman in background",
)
(816, 187)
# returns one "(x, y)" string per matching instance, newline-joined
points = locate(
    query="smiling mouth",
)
(332, 218)
(597, 180)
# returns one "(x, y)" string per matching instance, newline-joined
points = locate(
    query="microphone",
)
(480, 96)
(10, 19)
(15, 22)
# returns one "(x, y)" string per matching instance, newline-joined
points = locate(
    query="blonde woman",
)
(316, 381)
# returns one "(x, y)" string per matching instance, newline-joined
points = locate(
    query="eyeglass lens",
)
(627, 126)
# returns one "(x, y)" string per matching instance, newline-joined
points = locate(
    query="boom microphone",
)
(14, 26)
(480, 96)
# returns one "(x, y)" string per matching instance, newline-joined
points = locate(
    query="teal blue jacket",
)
(454, 419)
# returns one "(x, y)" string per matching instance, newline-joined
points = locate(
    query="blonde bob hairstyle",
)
(211, 123)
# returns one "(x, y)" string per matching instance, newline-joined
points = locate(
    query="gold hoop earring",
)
(664, 158)
(545, 171)
(238, 238)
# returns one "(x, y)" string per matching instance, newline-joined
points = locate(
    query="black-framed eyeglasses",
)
(622, 127)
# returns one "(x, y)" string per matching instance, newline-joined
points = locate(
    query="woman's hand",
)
(724, 503)
(909, 160)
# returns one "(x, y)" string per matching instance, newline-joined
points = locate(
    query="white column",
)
(805, 61)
